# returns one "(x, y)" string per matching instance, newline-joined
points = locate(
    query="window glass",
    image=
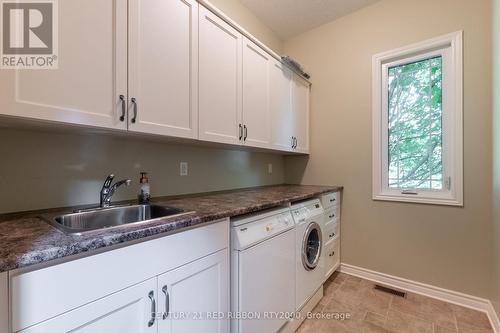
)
(415, 140)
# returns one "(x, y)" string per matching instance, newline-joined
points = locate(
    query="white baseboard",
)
(449, 296)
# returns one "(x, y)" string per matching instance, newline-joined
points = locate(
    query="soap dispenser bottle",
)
(144, 190)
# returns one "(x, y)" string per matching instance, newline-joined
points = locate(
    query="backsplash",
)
(40, 169)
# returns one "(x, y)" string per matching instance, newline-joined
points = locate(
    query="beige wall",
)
(496, 155)
(443, 246)
(42, 169)
(245, 18)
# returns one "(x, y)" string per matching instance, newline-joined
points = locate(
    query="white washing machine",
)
(308, 217)
(262, 271)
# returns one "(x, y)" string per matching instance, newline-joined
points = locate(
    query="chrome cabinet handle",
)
(332, 254)
(331, 235)
(167, 302)
(296, 142)
(151, 296)
(134, 102)
(331, 216)
(240, 131)
(122, 99)
(293, 142)
(246, 132)
(332, 200)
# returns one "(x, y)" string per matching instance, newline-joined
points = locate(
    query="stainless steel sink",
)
(112, 217)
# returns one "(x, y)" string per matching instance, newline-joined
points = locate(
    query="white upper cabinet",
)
(300, 108)
(256, 116)
(220, 83)
(280, 93)
(163, 67)
(92, 72)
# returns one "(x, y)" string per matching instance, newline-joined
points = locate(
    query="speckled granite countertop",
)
(29, 240)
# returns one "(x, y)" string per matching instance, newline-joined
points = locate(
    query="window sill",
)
(419, 199)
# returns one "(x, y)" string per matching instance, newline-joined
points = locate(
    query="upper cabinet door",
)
(163, 67)
(256, 117)
(300, 107)
(220, 81)
(85, 89)
(197, 289)
(282, 120)
(131, 310)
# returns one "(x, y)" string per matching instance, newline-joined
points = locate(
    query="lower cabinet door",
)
(195, 296)
(332, 256)
(132, 310)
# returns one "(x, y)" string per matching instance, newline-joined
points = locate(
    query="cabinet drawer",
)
(331, 230)
(332, 256)
(331, 214)
(329, 200)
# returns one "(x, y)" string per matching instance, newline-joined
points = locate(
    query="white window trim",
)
(451, 47)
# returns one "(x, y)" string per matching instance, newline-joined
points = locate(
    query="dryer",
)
(262, 271)
(308, 217)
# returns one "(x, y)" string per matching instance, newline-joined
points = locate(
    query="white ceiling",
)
(288, 18)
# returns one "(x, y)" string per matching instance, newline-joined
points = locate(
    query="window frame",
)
(451, 49)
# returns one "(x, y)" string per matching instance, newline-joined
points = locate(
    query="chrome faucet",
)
(108, 190)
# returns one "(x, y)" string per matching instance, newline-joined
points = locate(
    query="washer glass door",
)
(311, 246)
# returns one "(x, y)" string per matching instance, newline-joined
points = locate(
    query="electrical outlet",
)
(184, 168)
(270, 168)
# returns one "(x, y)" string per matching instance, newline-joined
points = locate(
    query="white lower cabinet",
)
(332, 256)
(171, 284)
(331, 232)
(191, 295)
(4, 302)
(127, 311)
(183, 300)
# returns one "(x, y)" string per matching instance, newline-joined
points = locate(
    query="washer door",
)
(311, 246)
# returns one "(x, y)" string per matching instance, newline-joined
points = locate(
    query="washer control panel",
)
(246, 235)
(304, 211)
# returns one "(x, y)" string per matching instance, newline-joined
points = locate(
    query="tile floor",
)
(376, 311)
